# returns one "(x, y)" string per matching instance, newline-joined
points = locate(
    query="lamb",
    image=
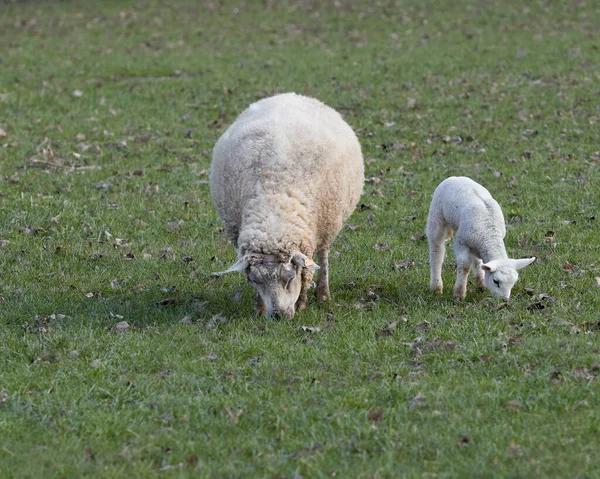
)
(284, 178)
(465, 207)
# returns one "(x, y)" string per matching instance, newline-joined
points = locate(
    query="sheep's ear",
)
(240, 265)
(304, 261)
(490, 266)
(521, 263)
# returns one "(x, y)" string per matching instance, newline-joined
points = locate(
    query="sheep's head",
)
(278, 283)
(501, 275)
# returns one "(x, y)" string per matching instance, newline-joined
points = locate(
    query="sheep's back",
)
(288, 143)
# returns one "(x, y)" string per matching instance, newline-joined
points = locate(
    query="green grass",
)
(504, 392)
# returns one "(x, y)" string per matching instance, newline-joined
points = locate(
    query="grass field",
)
(108, 115)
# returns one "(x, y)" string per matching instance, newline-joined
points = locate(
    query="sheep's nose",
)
(276, 314)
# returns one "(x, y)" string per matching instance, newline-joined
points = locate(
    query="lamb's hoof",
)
(460, 294)
(436, 288)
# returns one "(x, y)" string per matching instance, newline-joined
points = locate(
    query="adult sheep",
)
(284, 177)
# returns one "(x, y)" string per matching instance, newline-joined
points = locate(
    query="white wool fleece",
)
(284, 178)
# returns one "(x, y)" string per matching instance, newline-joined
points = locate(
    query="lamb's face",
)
(501, 280)
(278, 285)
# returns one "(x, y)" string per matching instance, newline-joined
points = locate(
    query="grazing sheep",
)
(284, 178)
(465, 207)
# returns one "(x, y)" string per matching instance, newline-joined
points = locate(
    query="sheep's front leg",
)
(261, 309)
(323, 282)
(437, 252)
(303, 298)
(477, 271)
(463, 265)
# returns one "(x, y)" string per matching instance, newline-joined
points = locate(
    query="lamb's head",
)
(277, 282)
(501, 275)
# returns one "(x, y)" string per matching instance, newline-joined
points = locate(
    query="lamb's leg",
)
(323, 282)
(463, 265)
(436, 237)
(303, 298)
(261, 309)
(477, 271)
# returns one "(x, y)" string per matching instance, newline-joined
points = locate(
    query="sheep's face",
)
(277, 284)
(501, 275)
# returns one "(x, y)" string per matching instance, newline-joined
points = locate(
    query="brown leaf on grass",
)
(418, 237)
(381, 247)
(376, 414)
(438, 343)
(6, 244)
(555, 375)
(234, 414)
(4, 397)
(484, 358)
(583, 373)
(2, 134)
(122, 327)
(128, 257)
(255, 359)
(41, 324)
(174, 225)
(568, 267)
(418, 401)
(514, 449)
(167, 301)
(387, 330)
(89, 454)
(409, 263)
(309, 329)
(513, 404)
(543, 301)
(463, 441)
(515, 339)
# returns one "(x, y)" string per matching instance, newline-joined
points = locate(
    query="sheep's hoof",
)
(261, 309)
(436, 288)
(480, 283)
(301, 302)
(323, 294)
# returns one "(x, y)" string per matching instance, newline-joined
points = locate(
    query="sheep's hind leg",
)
(463, 265)
(323, 293)
(437, 252)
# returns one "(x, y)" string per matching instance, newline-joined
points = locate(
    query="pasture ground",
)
(109, 111)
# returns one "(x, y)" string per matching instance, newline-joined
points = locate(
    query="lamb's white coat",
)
(284, 178)
(465, 208)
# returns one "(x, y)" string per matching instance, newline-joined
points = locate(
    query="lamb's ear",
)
(240, 265)
(521, 263)
(304, 261)
(490, 266)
